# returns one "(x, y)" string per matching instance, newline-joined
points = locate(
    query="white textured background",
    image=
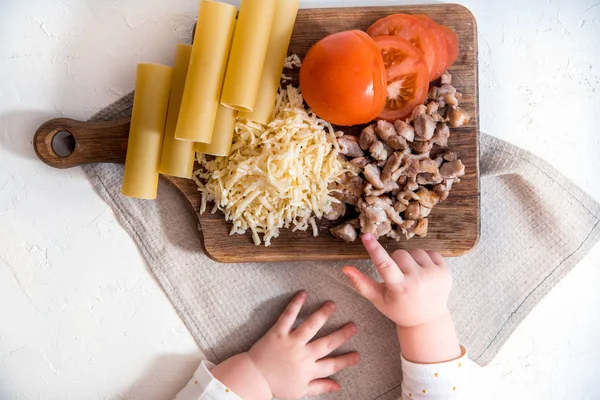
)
(81, 317)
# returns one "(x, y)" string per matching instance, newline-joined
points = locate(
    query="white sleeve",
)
(203, 386)
(443, 381)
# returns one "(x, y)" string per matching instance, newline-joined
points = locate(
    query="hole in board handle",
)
(63, 144)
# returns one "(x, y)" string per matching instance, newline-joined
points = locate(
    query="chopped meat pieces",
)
(406, 169)
(373, 176)
(424, 126)
(446, 78)
(370, 220)
(379, 201)
(349, 146)
(432, 107)
(413, 210)
(421, 228)
(427, 178)
(391, 166)
(458, 117)
(338, 210)
(452, 169)
(427, 198)
(405, 130)
(429, 166)
(345, 231)
(378, 152)
(360, 162)
(367, 138)
(441, 135)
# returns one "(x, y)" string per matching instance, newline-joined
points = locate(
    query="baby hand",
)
(285, 363)
(416, 284)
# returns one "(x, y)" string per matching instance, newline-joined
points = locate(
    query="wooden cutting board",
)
(453, 224)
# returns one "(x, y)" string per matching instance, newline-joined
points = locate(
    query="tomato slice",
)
(440, 43)
(407, 77)
(451, 45)
(412, 29)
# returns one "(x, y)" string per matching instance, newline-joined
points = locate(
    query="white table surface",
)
(81, 317)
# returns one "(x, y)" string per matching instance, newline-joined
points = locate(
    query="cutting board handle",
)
(82, 142)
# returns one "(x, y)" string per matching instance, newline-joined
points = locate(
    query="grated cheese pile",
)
(276, 176)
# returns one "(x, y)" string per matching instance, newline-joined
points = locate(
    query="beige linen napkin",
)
(536, 226)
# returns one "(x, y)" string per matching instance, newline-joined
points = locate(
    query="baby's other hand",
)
(415, 288)
(286, 362)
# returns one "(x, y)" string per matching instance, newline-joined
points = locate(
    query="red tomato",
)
(342, 78)
(440, 43)
(451, 45)
(412, 29)
(407, 77)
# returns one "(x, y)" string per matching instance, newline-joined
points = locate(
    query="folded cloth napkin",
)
(528, 243)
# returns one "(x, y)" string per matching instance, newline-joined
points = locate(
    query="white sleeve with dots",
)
(443, 381)
(203, 386)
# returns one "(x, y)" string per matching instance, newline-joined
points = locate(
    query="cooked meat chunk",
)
(387, 133)
(446, 78)
(373, 176)
(399, 207)
(352, 184)
(450, 156)
(405, 130)
(390, 186)
(345, 197)
(452, 169)
(408, 224)
(433, 93)
(371, 191)
(405, 196)
(428, 166)
(359, 162)
(338, 209)
(349, 146)
(374, 220)
(424, 126)
(427, 198)
(441, 135)
(345, 231)
(402, 180)
(379, 201)
(443, 189)
(412, 167)
(385, 130)
(425, 211)
(427, 178)
(367, 138)
(421, 228)
(354, 222)
(413, 210)
(432, 107)
(411, 184)
(458, 117)
(391, 166)
(418, 110)
(378, 152)
(422, 147)
(445, 89)
(393, 215)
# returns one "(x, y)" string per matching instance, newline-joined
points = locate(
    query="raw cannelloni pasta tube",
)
(279, 41)
(222, 135)
(150, 102)
(212, 42)
(177, 157)
(248, 52)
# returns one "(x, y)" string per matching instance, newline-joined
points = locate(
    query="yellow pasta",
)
(279, 41)
(248, 52)
(222, 135)
(152, 87)
(177, 157)
(212, 42)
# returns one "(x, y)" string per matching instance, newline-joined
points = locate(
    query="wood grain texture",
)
(453, 225)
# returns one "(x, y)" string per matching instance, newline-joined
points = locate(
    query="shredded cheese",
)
(276, 176)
